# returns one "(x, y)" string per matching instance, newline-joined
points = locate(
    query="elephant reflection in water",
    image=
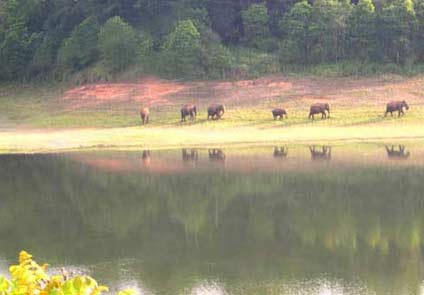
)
(392, 153)
(190, 156)
(320, 154)
(146, 158)
(281, 152)
(216, 155)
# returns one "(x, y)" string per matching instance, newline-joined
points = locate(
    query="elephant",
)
(216, 111)
(319, 108)
(145, 114)
(394, 106)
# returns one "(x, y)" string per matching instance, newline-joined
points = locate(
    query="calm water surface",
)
(297, 220)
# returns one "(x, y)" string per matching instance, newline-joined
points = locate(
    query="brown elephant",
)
(319, 108)
(394, 106)
(216, 111)
(216, 155)
(145, 114)
(319, 155)
(397, 154)
(188, 110)
(279, 113)
(280, 152)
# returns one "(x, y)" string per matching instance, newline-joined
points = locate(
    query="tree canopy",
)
(204, 38)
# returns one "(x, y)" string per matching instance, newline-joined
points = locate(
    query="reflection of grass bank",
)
(204, 136)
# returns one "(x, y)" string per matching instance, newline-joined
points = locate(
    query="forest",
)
(97, 40)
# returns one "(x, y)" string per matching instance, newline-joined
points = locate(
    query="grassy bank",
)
(172, 137)
(35, 118)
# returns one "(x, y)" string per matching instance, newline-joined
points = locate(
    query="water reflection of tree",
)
(360, 221)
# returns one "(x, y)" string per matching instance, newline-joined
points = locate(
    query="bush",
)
(80, 49)
(28, 277)
(252, 63)
(218, 61)
(118, 44)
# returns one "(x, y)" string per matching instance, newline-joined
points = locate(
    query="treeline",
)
(97, 39)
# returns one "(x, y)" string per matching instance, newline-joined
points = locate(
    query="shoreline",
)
(28, 141)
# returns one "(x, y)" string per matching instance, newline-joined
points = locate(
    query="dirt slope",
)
(155, 92)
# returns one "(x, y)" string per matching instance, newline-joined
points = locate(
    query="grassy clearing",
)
(36, 119)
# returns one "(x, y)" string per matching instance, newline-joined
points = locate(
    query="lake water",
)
(266, 220)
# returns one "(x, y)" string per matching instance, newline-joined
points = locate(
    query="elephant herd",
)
(216, 111)
(318, 153)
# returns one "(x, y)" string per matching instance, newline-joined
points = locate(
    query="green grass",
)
(33, 119)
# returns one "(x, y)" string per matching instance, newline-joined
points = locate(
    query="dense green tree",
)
(80, 49)
(396, 27)
(361, 31)
(256, 27)
(182, 50)
(330, 17)
(419, 30)
(226, 19)
(299, 34)
(16, 50)
(118, 44)
(19, 36)
(38, 38)
(44, 57)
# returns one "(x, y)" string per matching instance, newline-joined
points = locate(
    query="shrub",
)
(253, 63)
(218, 60)
(28, 277)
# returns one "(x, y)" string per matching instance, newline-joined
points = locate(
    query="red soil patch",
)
(153, 92)
(147, 92)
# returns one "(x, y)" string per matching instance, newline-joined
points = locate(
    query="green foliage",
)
(17, 42)
(43, 59)
(299, 30)
(256, 29)
(189, 38)
(118, 44)
(80, 49)
(362, 31)
(218, 61)
(16, 49)
(252, 63)
(330, 28)
(182, 50)
(396, 26)
(28, 277)
(419, 30)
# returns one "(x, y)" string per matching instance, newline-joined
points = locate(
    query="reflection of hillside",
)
(237, 227)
